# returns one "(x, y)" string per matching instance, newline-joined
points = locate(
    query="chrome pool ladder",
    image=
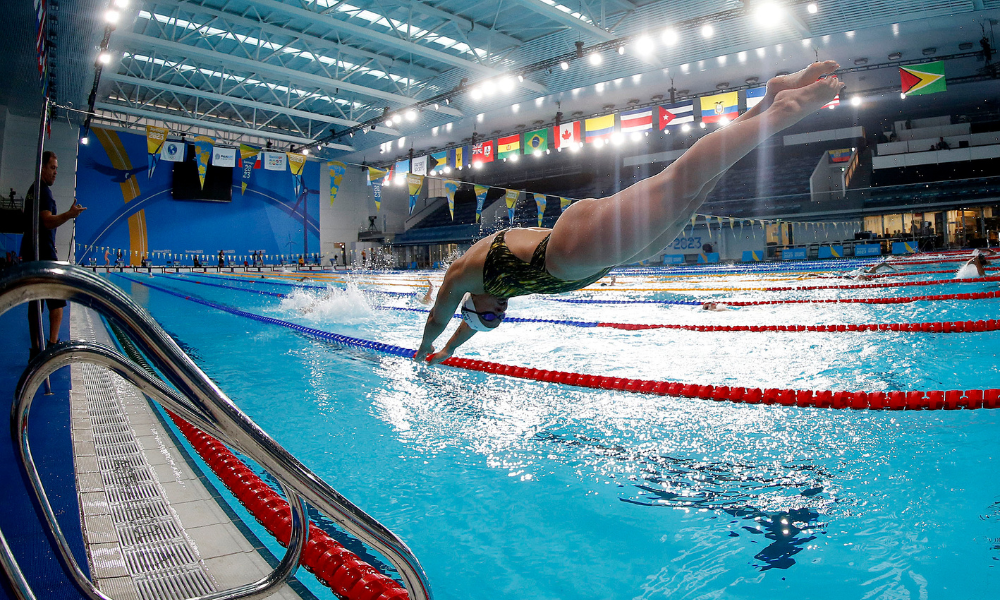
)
(197, 400)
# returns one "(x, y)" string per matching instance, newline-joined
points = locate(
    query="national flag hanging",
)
(297, 163)
(337, 172)
(481, 191)
(173, 151)
(155, 136)
(832, 103)
(482, 152)
(224, 157)
(719, 106)
(419, 166)
(450, 187)
(437, 162)
(203, 151)
(640, 119)
(536, 141)
(927, 78)
(599, 128)
(250, 157)
(414, 184)
(540, 203)
(840, 155)
(402, 168)
(508, 146)
(564, 203)
(755, 95)
(676, 114)
(567, 135)
(457, 157)
(511, 197)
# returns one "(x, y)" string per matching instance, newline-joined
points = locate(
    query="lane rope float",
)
(861, 400)
(928, 327)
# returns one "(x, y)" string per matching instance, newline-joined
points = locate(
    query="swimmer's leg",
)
(593, 234)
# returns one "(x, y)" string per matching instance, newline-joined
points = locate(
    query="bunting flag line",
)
(337, 172)
(536, 141)
(511, 197)
(450, 187)
(640, 119)
(568, 135)
(297, 163)
(564, 203)
(155, 136)
(540, 203)
(414, 184)
(275, 161)
(173, 151)
(203, 151)
(250, 158)
(376, 190)
(676, 114)
(482, 152)
(927, 78)
(481, 191)
(720, 106)
(755, 95)
(224, 157)
(375, 174)
(509, 145)
(599, 128)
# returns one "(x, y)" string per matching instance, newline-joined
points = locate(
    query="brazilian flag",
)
(536, 141)
(927, 78)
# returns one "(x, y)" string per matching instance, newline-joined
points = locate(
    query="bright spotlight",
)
(636, 136)
(707, 30)
(685, 128)
(477, 94)
(411, 115)
(574, 148)
(446, 169)
(596, 58)
(400, 179)
(621, 49)
(617, 139)
(489, 87)
(520, 78)
(539, 154)
(598, 143)
(723, 121)
(121, 3)
(768, 14)
(856, 101)
(513, 157)
(305, 151)
(812, 8)
(112, 16)
(388, 122)
(104, 58)
(85, 140)
(702, 124)
(902, 96)
(564, 65)
(478, 164)
(644, 44)
(670, 37)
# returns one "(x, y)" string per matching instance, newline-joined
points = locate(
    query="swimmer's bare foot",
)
(797, 80)
(794, 105)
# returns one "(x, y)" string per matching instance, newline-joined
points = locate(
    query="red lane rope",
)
(934, 327)
(893, 400)
(337, 567)
(854, 286)
(900, 300)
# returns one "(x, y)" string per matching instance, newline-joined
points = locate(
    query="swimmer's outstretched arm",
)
(448, 298)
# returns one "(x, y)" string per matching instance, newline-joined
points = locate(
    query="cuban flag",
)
(755, 95)
(567, 135)
(637, 120)
(676, 114)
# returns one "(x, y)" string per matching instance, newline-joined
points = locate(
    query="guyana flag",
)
(927, 78)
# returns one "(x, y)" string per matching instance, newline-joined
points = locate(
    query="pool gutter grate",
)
(153, 558)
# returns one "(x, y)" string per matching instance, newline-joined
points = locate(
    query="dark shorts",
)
(54, 304)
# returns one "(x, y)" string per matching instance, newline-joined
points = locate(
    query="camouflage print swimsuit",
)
(506, 276)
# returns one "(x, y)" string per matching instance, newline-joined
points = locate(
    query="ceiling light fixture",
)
(564, 65)
(670, 37)
(707, 30)
(812, 8)
(596, 59)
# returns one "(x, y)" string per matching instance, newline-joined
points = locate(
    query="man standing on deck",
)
(48, 221)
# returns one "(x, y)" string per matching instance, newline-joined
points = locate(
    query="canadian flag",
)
(568, 135)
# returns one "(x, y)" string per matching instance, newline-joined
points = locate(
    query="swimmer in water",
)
(612, 282)
(426, 299)
(714, 306)
(863, 274)
(593, 236)
(979, 262)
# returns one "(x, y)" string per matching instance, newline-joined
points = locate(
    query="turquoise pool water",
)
(509, 488)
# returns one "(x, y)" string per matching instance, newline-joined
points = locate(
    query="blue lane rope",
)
(295, 285)
(567, 322)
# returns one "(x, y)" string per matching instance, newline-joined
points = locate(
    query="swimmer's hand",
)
(423, 351)
(439, 357)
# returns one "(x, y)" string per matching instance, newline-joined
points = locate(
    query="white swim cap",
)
(474, 319)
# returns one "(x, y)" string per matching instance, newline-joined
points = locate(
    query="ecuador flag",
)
(715, 108)
(927, 78)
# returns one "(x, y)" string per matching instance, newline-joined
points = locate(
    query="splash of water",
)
(348, 306)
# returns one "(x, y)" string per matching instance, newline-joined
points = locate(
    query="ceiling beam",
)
(313, 40)
(392, 41)
(152, 114)
(567, 19)
(292, 112)
(328, 83)
(464, 24)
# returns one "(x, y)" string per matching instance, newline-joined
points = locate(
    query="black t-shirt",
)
(46, 237)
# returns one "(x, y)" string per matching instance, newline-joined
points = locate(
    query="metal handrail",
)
(197, 399)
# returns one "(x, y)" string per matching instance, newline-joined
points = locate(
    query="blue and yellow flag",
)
(720, 106)
(540, 203)
(481, 191)
(437, 161)
(337, 171)
(202, 152)
(564, 203)
(450, 187)
(511, 203)
(414, 183)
